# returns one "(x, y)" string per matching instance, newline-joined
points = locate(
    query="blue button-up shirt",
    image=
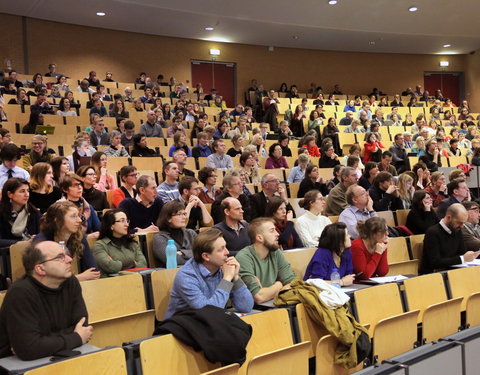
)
(195, 287)
(351, 216)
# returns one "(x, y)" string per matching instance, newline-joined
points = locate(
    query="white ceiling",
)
(351, 25)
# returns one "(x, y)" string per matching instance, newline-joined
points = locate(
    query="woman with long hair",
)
(372, 148)
(333, 253)
(38, 153)
(63, 222)
(179, 142)
(172, 223)
(116, 249)
(43, 193)
(118, 110)
(288, 236)
(19, 219)
(310, 225)
(329, 158)
(81, 149)
(312, 181)
(421, 215)
(405, 189)
(369, 174)
(60, 167)
(369, 251)
(65, 109)
(105, 181)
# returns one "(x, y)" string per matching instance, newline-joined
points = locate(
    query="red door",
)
(448, 83)
(218, 75)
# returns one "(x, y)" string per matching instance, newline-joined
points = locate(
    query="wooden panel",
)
(162, 282)
(227, 370)
(463, 282)
(441, 319)
(309, 330)
(166, 355)
(416, 243)
(325, 358)
(409, 267)
(397, 249)
(292, 360)
(106, 362)
(472, 309)
(299, 260)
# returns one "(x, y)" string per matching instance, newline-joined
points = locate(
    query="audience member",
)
(369, 251)
(421, 216)
(43, 193)
(197, 213)
(270, 187)
(209, 191)
(140, 148)
(458, 192)
(336, 201)
(116, 250)
(96, 198)
(168, 189)
(98, 136)
(385, 165)
(38, 153)
(443, 244)
(384, 193)
(333, 253)
(263, 268)
(44, 312)
(128, 176)
(210, 278)
(297, 173)
(219, 160)
(143, 210)
(115, 148)
(233, 227)
(437, 189)
(360, 208)
(202, 149)
(312, 181)
(471, 229)
(329, 158)
(310, 225)
(180, 158)
(288, 237)
(232, 187)
(104, 181)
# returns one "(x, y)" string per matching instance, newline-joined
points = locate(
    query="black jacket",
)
(218, 215)
(383, 201)
(209, 329)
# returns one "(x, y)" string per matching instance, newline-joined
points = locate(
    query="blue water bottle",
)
(171, 251)
(335, 278)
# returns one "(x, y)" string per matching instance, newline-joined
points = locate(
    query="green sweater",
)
(112, 258)
(269, 270)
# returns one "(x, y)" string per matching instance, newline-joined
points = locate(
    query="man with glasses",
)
(232, 187)
(336, 201)
(360, 208)
(458, 192)
(8, 169)
(180, 158)
(219, 160)
(44, 312)
(471, 229)
(270, 187)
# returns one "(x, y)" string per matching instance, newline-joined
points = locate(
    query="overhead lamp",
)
(332, 2)
(214, 52)
(101, 14)
(447, 45)
(444, 63)
(413, 9)
(209, 28)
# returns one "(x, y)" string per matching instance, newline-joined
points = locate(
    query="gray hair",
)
(143, 181)
(346, 172)
(114, 133)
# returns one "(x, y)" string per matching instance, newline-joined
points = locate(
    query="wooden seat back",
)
(292, 360)
(299, 260)
(162, 282)
(423, 291)
(109, 361)
(472, 310)
(325, 358)
(167, 355)
(464, 282)
(397, 250)
(226, 370)
(442, 319)
(308, 329)
(416, 244)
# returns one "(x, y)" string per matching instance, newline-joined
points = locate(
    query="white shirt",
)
(309, 227)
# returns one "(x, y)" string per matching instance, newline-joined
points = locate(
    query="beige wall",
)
(78, 49)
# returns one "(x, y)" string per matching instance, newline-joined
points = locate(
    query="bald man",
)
(44, 312)
(443, 245)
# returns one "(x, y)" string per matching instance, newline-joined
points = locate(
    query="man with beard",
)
(211, 277)
(443, 245)
(263, 269)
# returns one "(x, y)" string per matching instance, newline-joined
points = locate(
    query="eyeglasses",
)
(275, 181)
(74, 217)
(180, 214)
(133, 175)
(59, 258)
(123, 221)
(90, 174)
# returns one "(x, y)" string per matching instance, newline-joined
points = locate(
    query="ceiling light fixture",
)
(413, 9)
(372, 43)
(444, 63)
(101, 14)
(209, 28)
(447, 45)
(332, 2)
(295, 37)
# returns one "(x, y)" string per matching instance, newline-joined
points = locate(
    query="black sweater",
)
(37, 321)
(418, 221)
(441, 250)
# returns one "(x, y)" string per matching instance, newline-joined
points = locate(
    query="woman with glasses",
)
(72, 189)
(63, 222)
(93, 196)
(19, 220)
(249, 167)
(129, 177)
(310, 225)
(43, 193)
(209, 192)
(172, 223)
(116, 250)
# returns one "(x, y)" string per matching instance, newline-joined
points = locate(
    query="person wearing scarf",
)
(288, 236)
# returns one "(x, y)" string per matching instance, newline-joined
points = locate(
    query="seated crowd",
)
(77, 200)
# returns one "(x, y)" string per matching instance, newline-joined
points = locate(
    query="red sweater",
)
(312, 151)
(369, 148)
(370, 264)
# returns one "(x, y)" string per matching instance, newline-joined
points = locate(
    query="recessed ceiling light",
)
(101, 14)
(209, 28)
(295, 37)
(372, 43)
(332, 2)
(413, 9)
(447, 45)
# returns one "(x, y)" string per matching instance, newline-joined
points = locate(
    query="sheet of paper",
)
(475, 262)
(388, 279)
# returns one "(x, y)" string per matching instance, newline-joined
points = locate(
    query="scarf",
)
(18, 221)
(177, 235)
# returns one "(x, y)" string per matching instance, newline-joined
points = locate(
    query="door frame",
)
(461, 81)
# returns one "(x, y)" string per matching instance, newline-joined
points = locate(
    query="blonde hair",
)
(402, 186)
(37, 177)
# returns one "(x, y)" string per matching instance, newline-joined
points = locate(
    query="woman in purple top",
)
(333, 252)
(276, 160)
